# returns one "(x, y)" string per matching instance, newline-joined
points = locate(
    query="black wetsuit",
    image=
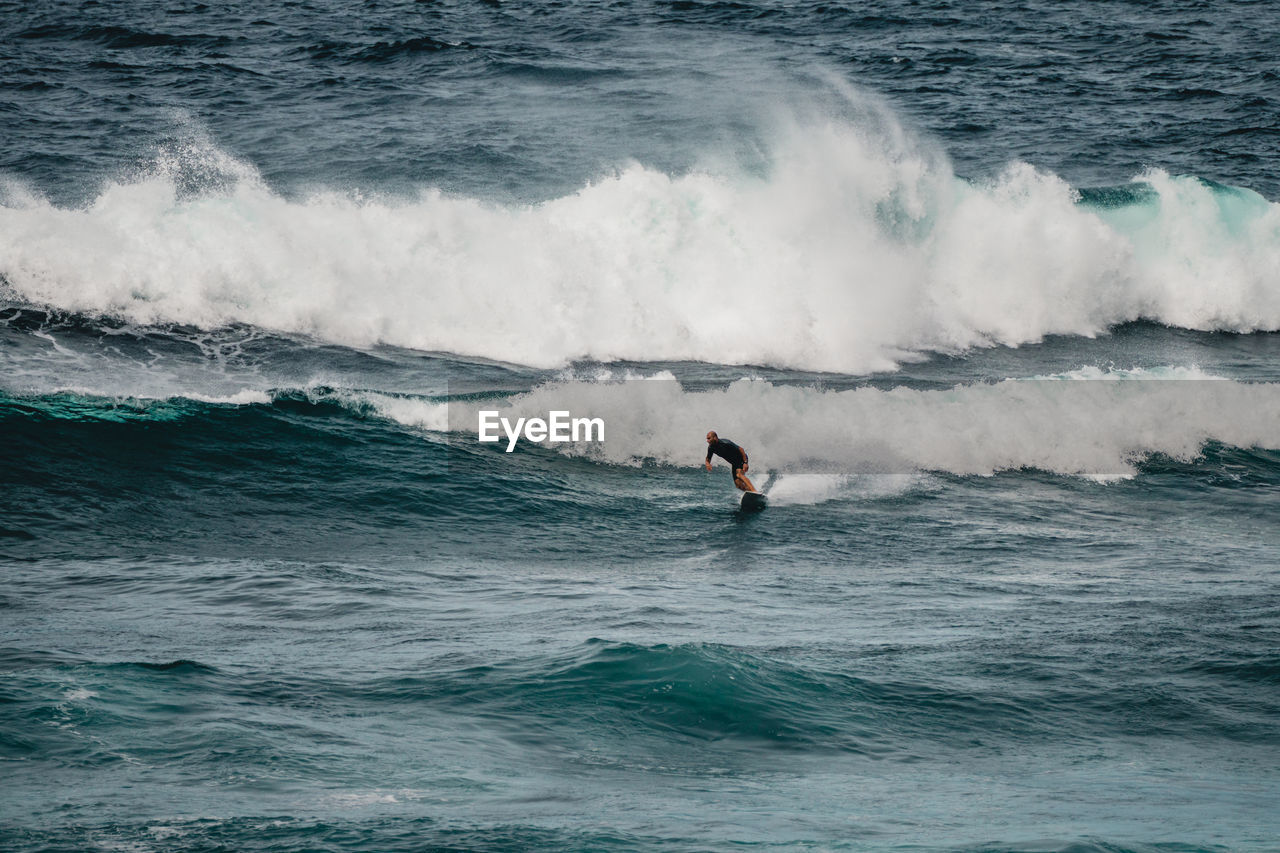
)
(729, 452)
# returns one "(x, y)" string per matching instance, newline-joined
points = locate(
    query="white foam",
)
(365, 799)
(410, 411)
(244, 397)
(1095, 429)
(858, 248)
(1115, 374)
(808, 488)
(131, 392)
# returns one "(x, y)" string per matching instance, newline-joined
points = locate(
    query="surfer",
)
(734, 455)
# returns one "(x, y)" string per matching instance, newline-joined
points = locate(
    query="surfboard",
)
(753, 501)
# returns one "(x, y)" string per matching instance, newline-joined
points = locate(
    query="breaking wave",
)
(857, 249)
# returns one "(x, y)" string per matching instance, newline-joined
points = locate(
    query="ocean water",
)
(990, 292)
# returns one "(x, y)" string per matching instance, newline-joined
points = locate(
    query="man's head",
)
(712, 437)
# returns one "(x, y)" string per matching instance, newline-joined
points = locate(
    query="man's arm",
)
(745, 463)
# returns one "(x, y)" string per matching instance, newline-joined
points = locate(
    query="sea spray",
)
(852, 253)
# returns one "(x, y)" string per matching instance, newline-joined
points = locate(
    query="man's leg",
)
(740, 480)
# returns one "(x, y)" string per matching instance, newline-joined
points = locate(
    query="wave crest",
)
(856, 250)
(1082, 427)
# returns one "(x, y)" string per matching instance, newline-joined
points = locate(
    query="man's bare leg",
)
(740, 480)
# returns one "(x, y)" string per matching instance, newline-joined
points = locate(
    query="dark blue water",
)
(991, 294)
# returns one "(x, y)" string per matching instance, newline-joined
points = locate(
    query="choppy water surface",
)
(990, 293)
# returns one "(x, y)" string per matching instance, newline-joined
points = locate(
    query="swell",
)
(698, 694)
(315, 455)
(858, 247)
(339, 474)
(712, 692)
(103, 476)
(123, 38)
(1090, 422)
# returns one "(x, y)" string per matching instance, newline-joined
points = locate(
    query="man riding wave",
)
(734, 455)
